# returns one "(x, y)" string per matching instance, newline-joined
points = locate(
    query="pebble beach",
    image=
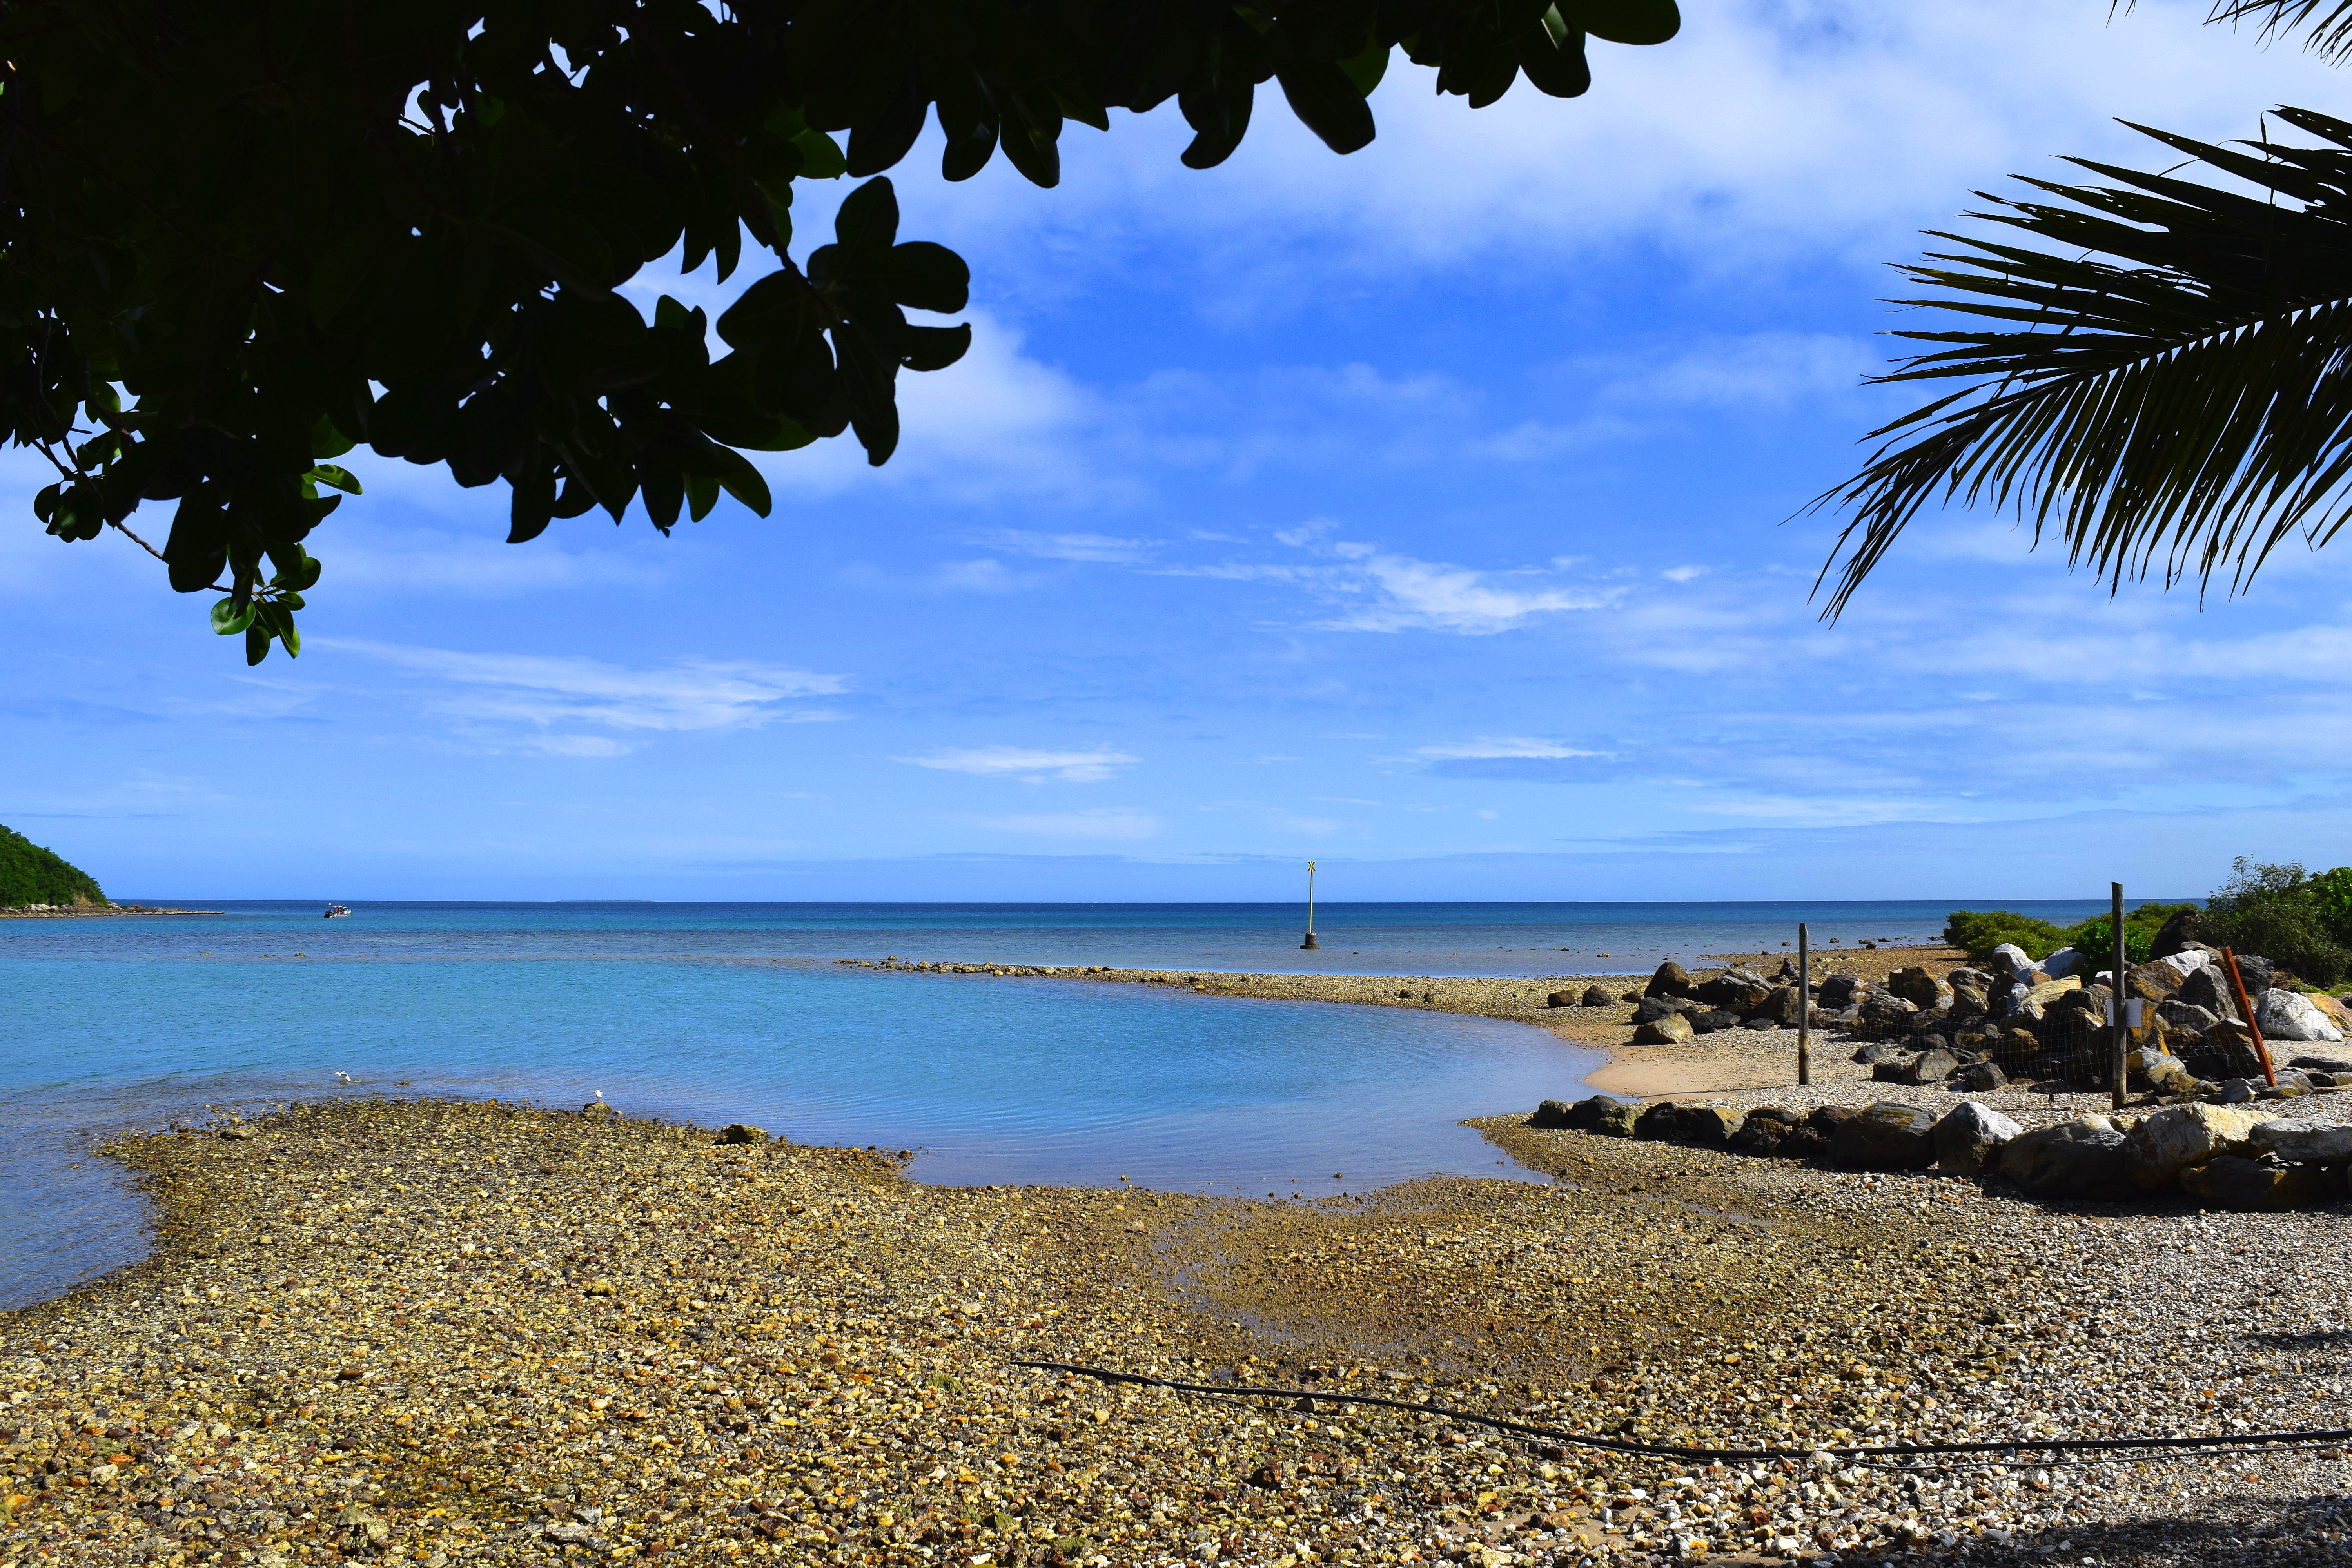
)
(474, 1333)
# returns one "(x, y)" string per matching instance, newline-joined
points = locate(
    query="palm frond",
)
(2326, 24)
(2162, 369)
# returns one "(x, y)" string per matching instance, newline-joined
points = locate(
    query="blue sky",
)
(1422, 512)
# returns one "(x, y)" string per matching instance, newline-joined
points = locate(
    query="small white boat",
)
(333, 911)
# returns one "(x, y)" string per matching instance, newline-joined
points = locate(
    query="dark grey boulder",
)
(1766, 1129)
(2179, 1015)
(1671, 979)
(1979, 1078)
(1879, 1051)
(1930, 1066)
(1714, 1019)
(2082, 1159)
(1656, 1123)
(1553, 1114)
(1594, 996)
(1653, 1008)
(1887, 1136)
(1837, 991)
(2187, 926)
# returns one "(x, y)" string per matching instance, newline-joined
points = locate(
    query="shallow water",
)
(718, 1013)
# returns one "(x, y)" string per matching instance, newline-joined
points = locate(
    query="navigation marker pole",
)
(1804, 1009)
(1310, 940)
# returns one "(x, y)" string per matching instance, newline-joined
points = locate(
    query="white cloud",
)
(544, 692)
(1033, 766)
(1089, 547)
(1682, 574)
(1110, 823)
(1406, 593)
(1504, 746)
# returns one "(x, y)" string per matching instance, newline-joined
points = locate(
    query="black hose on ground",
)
(1710, 1456)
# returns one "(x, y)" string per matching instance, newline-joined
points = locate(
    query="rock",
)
(2064, 961)
(2048, 991)
(2157, 1070)
(1706, 1126)
(1921, 989)
(1614, 1120)
(1656, 1123)
(742, 1132)
(1670, 980)
(1766, 1128)
(1553, 1114)
(2310, 1143)
(1930, 1066)
(1883, 1013)
(2186, 963)
(1968, 1002)
(2209, 989)
(2178, 932)
(2338, 1014)
(1594, 996)
(2255, 1186)
(2080, 1159)
(1672, 1029)
(1837, 991)
(2159, 1147)
(1879, 1051)
(2284, 1015)
(1969, 1135)
(1781, 1006)
(1561, 999)
(1979, 1078)
(2009, 962)
(597, 1108)
(2240, 1090)
(1714, 1019)
(1653, 1008)
(1982, 979)
(2187, 1016)
(1734, 990)
(1631, 997)
(2258, 972)
(2155, 984)
(2285, 1089)
(2321, 1064)
(1886, 1136)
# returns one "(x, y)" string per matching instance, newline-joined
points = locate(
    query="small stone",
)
(742, 1132)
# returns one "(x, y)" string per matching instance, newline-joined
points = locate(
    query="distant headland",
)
(41, 882)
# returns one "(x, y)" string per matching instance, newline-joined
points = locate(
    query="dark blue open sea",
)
(736, 1012)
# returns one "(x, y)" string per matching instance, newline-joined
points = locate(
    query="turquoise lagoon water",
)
(721, 1013)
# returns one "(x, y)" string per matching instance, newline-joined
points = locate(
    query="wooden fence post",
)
(1804, 1009)
(2123, 1008)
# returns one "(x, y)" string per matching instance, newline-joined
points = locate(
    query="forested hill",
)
(32, 875)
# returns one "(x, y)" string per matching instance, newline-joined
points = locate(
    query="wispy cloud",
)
(1115, 824)
(1031, 766)
(1503, 746)
(1092, 547)
(544, 693)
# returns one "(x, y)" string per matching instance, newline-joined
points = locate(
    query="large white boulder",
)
(1968, 1138)
(2009, 959)
(2063, 962)
(2285, 1015)
(2187, 961)
(2163, 1145)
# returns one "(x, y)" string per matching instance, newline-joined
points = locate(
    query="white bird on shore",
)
(342, 1078)
(600, 1094)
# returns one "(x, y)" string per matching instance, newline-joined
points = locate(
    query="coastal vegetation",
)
(2300, 919)
(32, 875)
(190, 322)
(1980, 930)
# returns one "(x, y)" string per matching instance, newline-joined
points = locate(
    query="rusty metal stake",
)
(2262, 1051)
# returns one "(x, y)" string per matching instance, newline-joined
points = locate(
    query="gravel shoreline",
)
(459, 1333)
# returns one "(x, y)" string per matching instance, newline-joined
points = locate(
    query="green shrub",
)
(1981, 931)
(2285, 915)
(2096, 938)
(32, 875)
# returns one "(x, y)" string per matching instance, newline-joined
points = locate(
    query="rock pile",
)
(1980, 1028)
(2218, 1156)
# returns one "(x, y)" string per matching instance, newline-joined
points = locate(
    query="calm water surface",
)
(731, 1012)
